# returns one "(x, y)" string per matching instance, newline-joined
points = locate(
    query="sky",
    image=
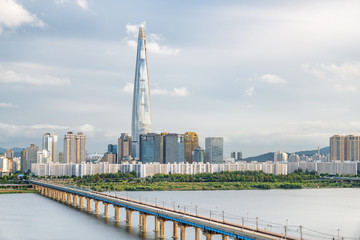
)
(265, 75)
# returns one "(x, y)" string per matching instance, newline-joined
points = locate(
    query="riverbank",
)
(198, 186)
(11, 191)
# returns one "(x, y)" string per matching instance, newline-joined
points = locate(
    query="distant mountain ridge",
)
(17, 151)
(270, 155)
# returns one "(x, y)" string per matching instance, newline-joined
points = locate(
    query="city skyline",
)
(230, 70)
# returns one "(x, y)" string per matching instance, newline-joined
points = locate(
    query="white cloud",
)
(271, 78)
(249, 106)
(152, 42)
(14, 15)
(129, 88)
(347, 88)
(36, 130)
(8, 105)
(181, 92)
(154, 47)
(345, 71)
(81, 3)
(8, 76)
(250, 91)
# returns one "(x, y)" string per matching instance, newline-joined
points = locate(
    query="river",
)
(331, 211)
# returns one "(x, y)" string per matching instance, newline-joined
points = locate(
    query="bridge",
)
(76, 197)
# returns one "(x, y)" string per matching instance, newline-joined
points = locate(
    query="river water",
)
(331, 211)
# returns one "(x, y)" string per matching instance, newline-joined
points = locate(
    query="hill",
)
(270, 155)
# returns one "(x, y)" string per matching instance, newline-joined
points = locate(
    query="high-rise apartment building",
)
(23, 160)
(43, 156)
(351, 147)
(9, 153)
(30, 156)
(74, 148)
(337, 151)
(280, 156)
(50, 143)
(151, 148)
(198, 155)
(214, 150)
(174, 148)
(124, 147)
(191, 141)
(236, 155)
(239, 156)
(141, 112)
(345, 148)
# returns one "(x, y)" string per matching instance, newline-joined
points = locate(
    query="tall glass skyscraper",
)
(141, 113)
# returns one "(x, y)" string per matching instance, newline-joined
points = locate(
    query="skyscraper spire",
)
(141, 113)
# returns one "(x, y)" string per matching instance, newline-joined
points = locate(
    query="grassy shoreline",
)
(12, 191)
(196, 186)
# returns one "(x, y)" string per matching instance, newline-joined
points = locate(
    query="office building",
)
(174, 148)
(50, 143)
(191, 141)
(151, 148)
(124, 147)
(214, 150)
(198, 155)
(30, 156)
(74, 148)
(141, 112)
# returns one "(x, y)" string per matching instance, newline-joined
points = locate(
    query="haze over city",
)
(265, 76)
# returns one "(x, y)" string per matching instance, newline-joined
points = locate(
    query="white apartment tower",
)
(50, 143)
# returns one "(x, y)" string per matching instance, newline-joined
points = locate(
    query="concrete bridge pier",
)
(97, 208)
(197, 233)
(75, 200)
(106, 210)
(117, 214)
(88, 204)
(208, 235)
(156, 228)
(63, 198)
(183, 232)
(162, 228)
(128, 217)
(175, 235)
(68, 198)
(82, 204)
(143, 222)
